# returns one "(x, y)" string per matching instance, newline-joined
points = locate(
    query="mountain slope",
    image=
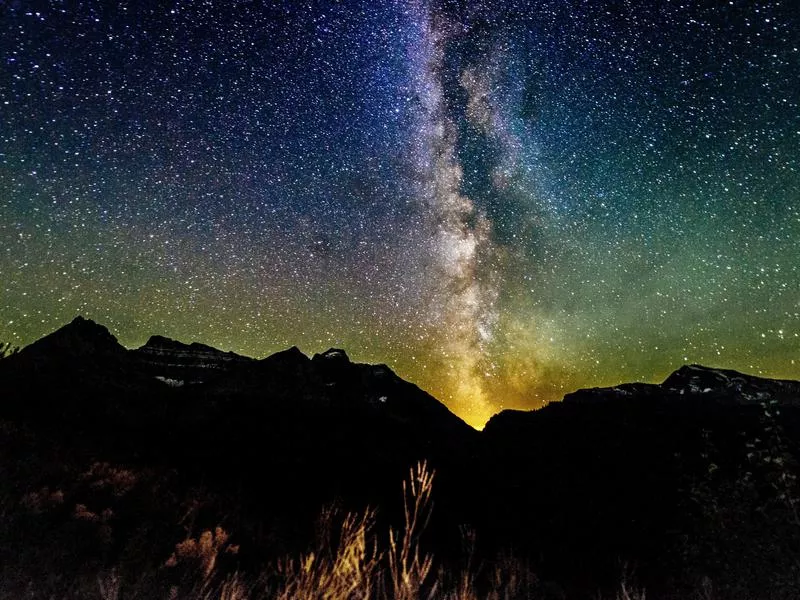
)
(693, 474)
(323, 419)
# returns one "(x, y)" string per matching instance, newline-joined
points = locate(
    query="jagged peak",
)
(293, 354)
(162, 342)
(741, 386)
(79, 337)
(81, 323)
(85, 328)
(159, 343)
(336, 354)
(695, 374)
(293, 351)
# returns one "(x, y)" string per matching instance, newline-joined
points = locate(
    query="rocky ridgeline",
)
(176, 363)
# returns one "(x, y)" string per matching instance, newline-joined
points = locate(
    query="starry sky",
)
(503, 200)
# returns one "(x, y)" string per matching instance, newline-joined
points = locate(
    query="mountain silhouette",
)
(324, 420)
(694, 477)
(660, 469)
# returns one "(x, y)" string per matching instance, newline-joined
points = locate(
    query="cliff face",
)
(732, 386)
(177, 364)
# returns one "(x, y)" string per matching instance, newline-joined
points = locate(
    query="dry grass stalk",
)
(344, 570)
(408, 566)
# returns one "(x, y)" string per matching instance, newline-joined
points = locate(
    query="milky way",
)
(462, 291)
(504, 201)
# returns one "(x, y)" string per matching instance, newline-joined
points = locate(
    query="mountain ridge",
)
(84, 338)
(82, 359)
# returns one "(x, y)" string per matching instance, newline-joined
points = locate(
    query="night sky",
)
(504, 201)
